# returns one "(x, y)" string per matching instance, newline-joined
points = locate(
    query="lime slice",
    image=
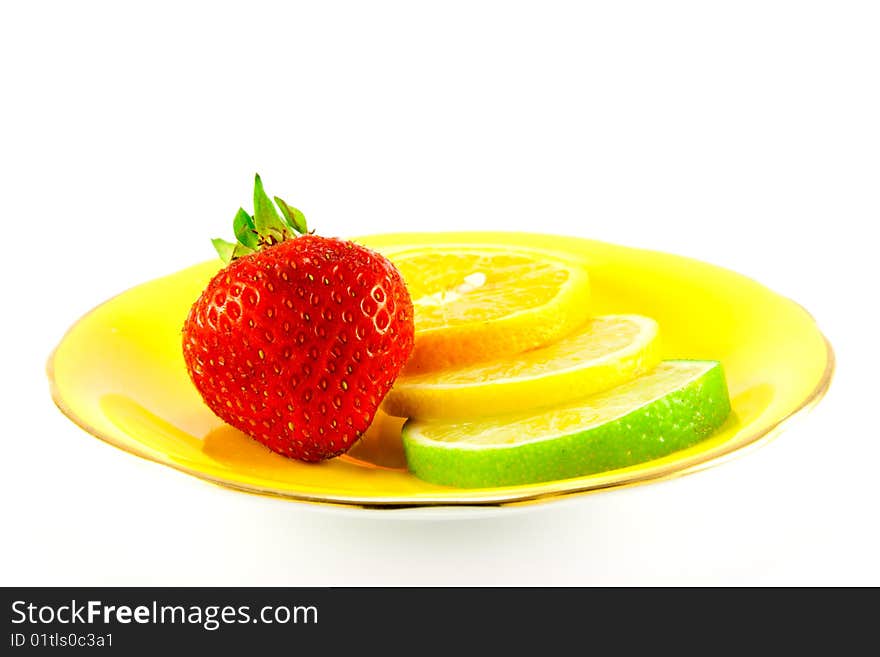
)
(605, 352)
(674, 406)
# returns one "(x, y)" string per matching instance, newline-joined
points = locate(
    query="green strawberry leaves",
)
(267, 223)
(264, 229)
(245, 229)
(224, 249)
(295, 219)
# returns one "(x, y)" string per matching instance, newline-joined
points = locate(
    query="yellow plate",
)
(119, 374)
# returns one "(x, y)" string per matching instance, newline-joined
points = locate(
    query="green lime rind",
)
(660, 425)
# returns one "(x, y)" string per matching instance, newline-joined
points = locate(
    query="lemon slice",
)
(479, 302)
(674, 406)
(605, 352)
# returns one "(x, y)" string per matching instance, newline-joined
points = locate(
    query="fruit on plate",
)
(477, 302)
(674, 406)
(604, 352)
(298, 338)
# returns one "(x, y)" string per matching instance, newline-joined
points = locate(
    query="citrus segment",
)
(674, 406)
(605, 352)
(479, 302)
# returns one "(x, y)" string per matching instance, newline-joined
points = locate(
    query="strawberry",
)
(298, 338)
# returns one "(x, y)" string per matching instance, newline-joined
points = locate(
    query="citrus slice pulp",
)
(476, 302)
(606, 351)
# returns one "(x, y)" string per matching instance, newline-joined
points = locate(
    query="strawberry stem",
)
(263, 229)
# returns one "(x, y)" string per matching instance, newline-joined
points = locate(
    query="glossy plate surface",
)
(119, 374)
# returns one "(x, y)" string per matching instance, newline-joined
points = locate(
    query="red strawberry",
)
(298, 339)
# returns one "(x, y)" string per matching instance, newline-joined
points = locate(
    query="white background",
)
(742, 133)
